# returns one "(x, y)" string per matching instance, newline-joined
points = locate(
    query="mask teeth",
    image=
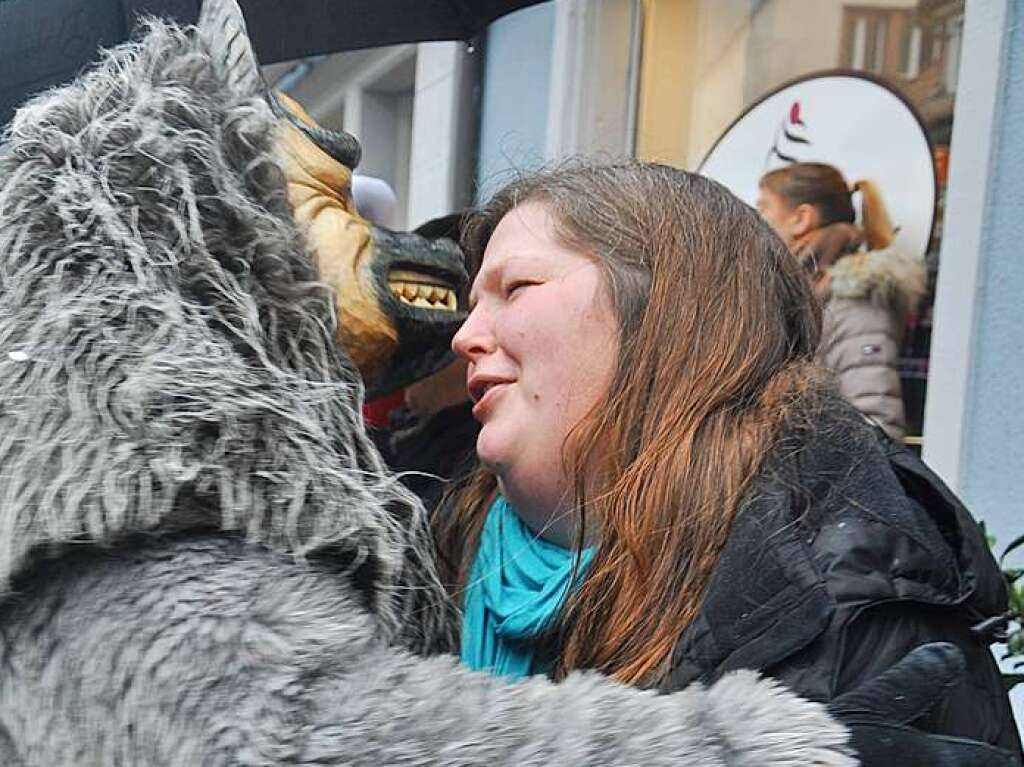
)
(425, 296)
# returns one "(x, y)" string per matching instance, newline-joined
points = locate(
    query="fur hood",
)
(887, 277)
(167, 360)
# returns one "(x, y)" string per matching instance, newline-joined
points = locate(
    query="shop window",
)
(910, 50)
(723, 57)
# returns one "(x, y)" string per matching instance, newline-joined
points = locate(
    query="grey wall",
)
(993, 479)
(994, 444)
(514, 105)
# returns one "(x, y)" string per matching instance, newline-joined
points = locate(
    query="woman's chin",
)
(491, 450)
(489, 462)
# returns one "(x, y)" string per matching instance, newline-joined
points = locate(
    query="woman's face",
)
(777, 212)
(789, 222)
(541, 341)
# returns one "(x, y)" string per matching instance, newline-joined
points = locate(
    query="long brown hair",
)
(718, 328)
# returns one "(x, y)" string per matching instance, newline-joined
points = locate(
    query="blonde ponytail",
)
(875, 221)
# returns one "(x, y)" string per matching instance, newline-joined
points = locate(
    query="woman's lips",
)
(486, 402)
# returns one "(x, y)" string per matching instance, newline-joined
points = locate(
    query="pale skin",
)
(541, 343)
(789, 222)
(794, 224)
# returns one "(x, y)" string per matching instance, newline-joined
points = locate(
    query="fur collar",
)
(888, 277)
(166, 349)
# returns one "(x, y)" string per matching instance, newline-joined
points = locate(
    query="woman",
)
(867, 295)
(668, 489)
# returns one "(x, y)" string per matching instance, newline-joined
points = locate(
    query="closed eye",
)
(515, 287)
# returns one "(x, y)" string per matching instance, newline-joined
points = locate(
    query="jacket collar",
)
(888, 277)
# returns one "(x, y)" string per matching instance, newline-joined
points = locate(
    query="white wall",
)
(443, 131)
(514, 103)
(974, 421)
(594, 77)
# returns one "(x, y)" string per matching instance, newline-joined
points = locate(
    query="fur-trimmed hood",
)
(888, 277)
(166, 348)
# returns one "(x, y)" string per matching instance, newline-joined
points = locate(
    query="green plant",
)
(1014, 636)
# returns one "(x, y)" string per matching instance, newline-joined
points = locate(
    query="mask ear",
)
(222, 27)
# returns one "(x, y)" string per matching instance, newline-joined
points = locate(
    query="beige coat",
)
(868, 299)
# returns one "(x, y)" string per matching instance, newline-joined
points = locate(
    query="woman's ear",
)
(803, 219)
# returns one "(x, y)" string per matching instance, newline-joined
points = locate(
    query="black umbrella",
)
(46, 42)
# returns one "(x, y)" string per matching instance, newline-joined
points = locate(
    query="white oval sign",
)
(856, 124)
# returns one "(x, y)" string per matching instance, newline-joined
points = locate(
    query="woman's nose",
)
(474, 339)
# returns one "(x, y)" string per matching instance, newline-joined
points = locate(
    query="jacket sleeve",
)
(879, 636)
(863, 642)
(860, 345)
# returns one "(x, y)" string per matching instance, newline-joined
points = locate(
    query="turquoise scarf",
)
(516, 587)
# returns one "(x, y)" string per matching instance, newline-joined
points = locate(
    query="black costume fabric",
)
(848, 552)
(46, 42)
(431, 453)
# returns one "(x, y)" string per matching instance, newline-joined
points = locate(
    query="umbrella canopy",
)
(46, 42)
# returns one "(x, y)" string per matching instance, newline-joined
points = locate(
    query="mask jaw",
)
(340, 243)
(399, 296)
(422, 284)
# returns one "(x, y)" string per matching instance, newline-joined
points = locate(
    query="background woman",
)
(867, 295)
(669, 488)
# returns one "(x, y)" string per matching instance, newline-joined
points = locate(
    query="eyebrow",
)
(505, 264)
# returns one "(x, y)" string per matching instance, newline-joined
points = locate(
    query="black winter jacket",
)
(847, 553)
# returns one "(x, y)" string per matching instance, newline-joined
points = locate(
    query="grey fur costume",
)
(203, 561)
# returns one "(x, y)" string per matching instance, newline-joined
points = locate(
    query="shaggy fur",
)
(215, 652)
(202, 558)
(889, 278)
(165, 346)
